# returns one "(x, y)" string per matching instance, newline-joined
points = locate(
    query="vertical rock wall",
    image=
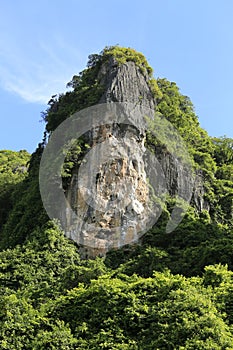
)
(120, 181)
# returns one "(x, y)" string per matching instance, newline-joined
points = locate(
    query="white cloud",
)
(36, 74)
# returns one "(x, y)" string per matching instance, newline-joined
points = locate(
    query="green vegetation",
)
(174, 291)
(13, 169)
(27, 211)
(123, 55)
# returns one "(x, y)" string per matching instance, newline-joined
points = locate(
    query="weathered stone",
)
(121, 210)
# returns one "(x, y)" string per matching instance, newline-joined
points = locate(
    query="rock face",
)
(198, 197)
(125, 83)
(112, 206)
(112, 198)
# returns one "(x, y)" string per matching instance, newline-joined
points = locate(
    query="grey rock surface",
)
(112, 198)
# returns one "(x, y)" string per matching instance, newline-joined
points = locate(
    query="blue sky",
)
(44, 43)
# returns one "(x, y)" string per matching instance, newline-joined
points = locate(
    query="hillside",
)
(168, 290)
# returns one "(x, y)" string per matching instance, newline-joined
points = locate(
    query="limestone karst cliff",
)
(121, 180)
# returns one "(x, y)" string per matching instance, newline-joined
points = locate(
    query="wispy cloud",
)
(36, 74)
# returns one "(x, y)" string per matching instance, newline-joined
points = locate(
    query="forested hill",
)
(169, 291)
